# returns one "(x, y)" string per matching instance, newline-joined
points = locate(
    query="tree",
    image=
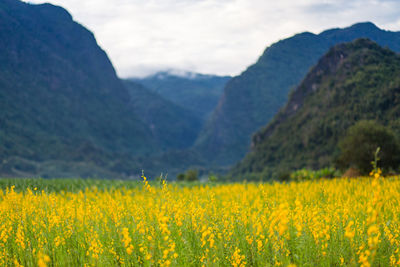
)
(180, 177)
(191, 175)
(359, 145)
(188, 176)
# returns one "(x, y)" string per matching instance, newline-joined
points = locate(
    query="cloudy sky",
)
(212, 36)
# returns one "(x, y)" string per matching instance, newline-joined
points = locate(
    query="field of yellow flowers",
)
(314, 223)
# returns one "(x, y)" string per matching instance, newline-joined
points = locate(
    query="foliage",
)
(352, 82)
(358, 147)
(191, 175)
(284, 176)
(310, 175)
(212, 178)
(180, 177)
(114, 223)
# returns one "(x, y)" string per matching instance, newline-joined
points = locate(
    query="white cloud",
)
(212, 36)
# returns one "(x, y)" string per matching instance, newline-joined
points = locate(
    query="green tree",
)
(191, 175)
(180, 177)
(212, 178)
(359, 145)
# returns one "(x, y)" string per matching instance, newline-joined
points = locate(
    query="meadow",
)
(326, 222)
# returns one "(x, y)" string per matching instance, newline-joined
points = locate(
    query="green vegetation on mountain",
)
(198, 93)
(251, 99)
(352, 82)
(366, 142)
(65, 113)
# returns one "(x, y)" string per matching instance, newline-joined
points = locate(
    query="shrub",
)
(188, 176)
(180, 177)
(284, 176)
(212, 178)
(191, 175)
(305, 174)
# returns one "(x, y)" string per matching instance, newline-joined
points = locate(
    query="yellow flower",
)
(43, 260)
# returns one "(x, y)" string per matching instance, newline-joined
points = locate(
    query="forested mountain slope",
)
(352, 82)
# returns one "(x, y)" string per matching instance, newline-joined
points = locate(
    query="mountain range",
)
(66, 113)
(251, 99)
(354, 81)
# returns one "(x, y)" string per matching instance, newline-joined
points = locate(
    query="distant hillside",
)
(172, 126)
(353, 81)
(64, 112)
(251, 99)
(198, 93)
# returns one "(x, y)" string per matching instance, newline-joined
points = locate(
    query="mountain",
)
(63, 109)
(198, 93)
(171, 125)
(251, 99)
(352, 82)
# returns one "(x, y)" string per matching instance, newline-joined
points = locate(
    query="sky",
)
(220, 37)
